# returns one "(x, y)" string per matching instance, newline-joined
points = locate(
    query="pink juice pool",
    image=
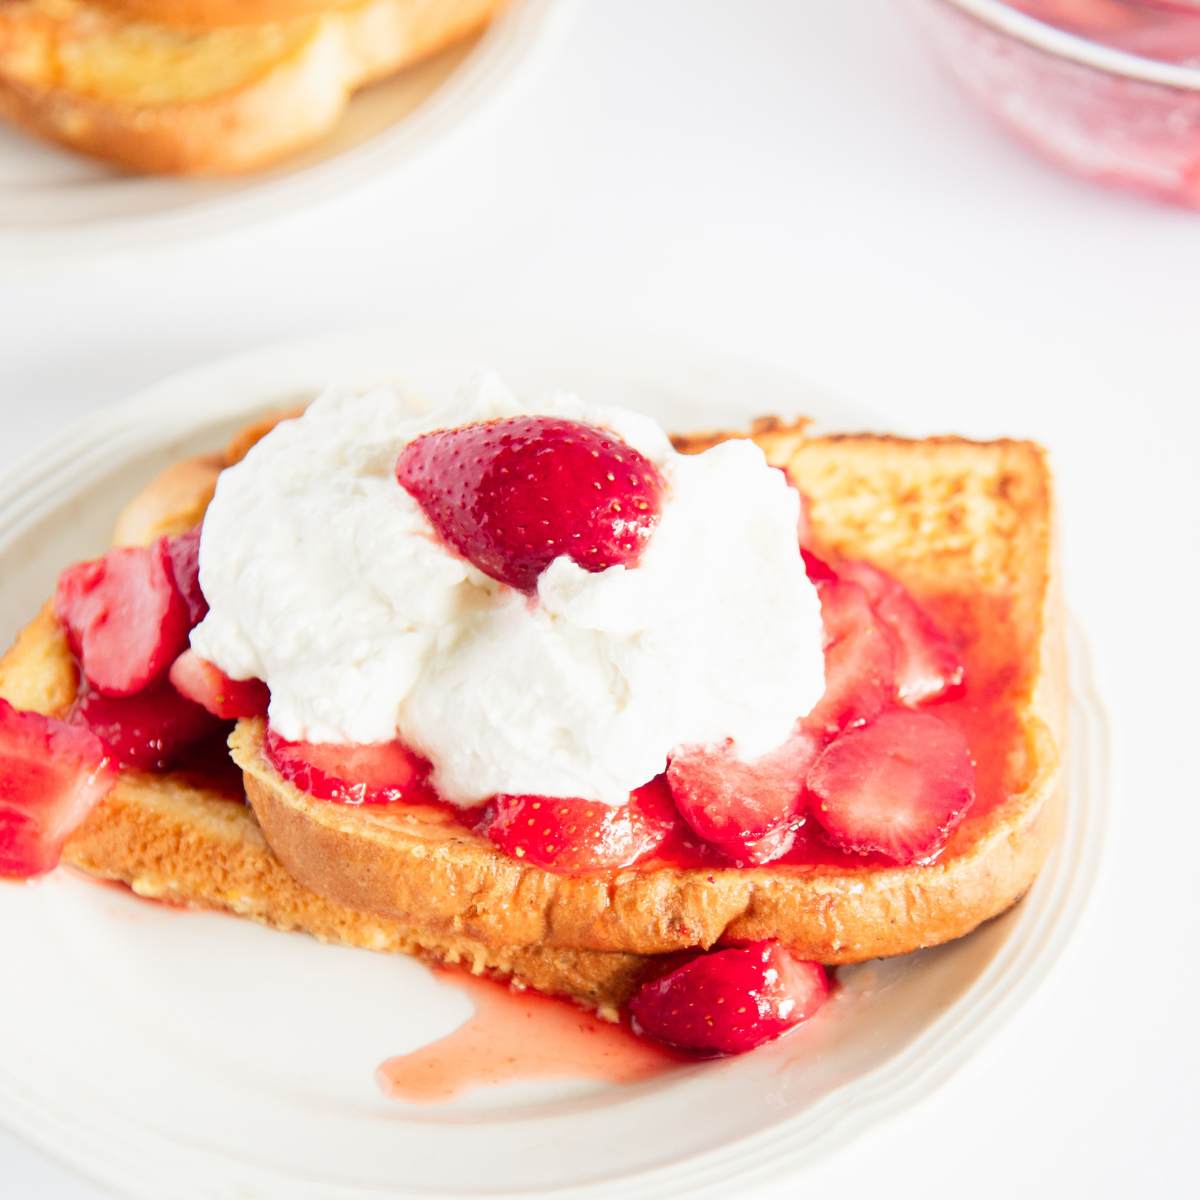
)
(1107, 88)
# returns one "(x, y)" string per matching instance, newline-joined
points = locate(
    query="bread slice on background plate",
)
(158, 98)
(214, 14)
(966, 526)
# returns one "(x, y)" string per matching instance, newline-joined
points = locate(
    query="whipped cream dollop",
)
(325, 579)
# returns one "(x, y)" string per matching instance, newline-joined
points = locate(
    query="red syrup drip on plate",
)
(517, 1036)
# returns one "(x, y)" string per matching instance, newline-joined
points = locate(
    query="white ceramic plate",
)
(56, 203)
(193, 1055)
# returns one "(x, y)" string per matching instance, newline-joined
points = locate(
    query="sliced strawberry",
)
(150, 731)
(513, 495)
(897, 786)
(928, 666)
(860, 660)
(124, 617)
(570, 836)
(209, 686)
(730, 1001)
(370, 773)
(183, 558)
(819, 571)
(51, 776)
(748, 810)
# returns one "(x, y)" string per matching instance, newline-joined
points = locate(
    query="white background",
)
(796, 182)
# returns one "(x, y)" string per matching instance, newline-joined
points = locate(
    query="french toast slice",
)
(968, 528)
(157, 98)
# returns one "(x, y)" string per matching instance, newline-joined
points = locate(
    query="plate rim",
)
(1020, 966)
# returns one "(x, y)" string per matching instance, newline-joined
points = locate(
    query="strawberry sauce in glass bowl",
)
(1109, 89)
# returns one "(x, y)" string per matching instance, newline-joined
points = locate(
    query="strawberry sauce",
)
(514, 1036)
(978, 630)
(984, 712)
(207, 765)
(998, 677)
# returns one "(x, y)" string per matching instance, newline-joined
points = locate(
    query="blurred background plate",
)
(55, 202)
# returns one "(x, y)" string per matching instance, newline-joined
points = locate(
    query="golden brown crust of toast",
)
(38, 673)
(266, 116)
(216, 14)
(961, 523)
(176, 499)
(173, 503)
(460, 883)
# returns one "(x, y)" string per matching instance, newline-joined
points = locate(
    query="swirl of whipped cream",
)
(326, 580)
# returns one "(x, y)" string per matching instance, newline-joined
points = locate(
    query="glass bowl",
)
(1119, 103)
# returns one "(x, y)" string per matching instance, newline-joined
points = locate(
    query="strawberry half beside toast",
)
(965, 527)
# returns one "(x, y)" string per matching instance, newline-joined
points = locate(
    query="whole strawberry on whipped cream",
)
(342, 567)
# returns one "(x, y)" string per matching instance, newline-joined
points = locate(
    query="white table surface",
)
(795, 181)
